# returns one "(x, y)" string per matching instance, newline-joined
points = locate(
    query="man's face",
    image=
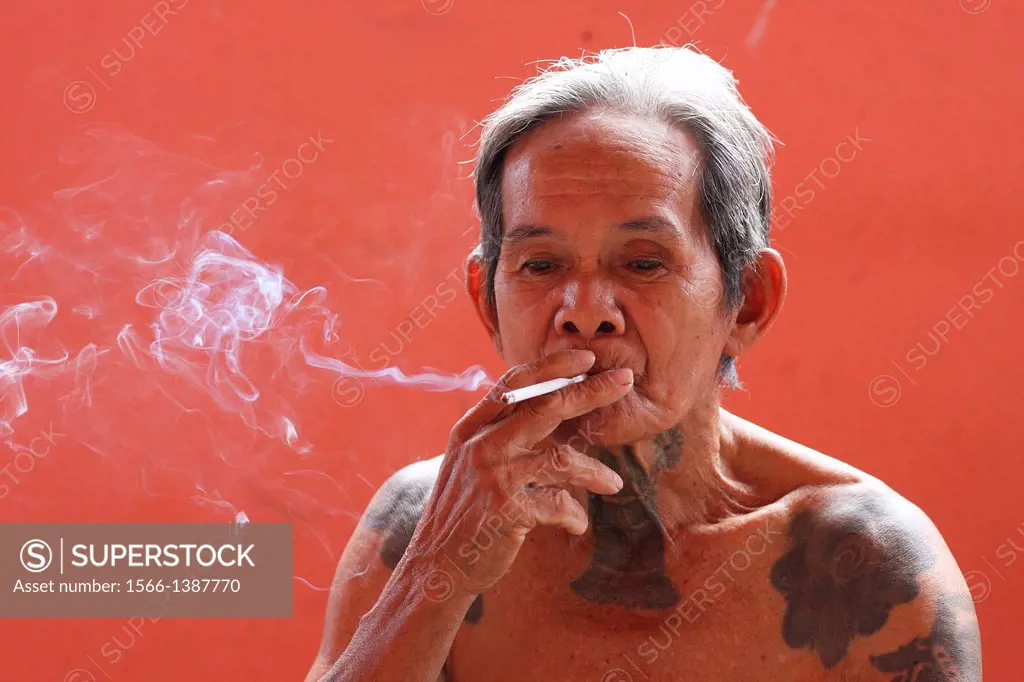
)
(604, 248)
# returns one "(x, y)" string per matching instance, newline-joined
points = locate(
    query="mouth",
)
(614, 358)
(600, 366)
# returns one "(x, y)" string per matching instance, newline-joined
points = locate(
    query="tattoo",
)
(951, 652)
(670, 449)
(396, 511)
(628, 564)
(848, 566)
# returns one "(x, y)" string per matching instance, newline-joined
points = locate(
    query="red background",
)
(887, 247)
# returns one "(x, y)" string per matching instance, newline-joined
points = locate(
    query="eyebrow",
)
(654, 224)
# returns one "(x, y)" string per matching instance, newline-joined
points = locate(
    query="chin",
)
(610, 425)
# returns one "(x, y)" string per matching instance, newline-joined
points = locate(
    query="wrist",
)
(408, 632)
(434, 583)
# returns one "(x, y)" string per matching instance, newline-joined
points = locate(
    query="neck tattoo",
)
(627, 567)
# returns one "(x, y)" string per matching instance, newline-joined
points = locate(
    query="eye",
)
(646, 265)
(538, 267)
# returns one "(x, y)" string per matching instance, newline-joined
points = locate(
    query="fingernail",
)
(618, 480)
(584, 356)
(622, 376)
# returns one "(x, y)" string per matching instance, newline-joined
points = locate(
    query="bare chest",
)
(702, 608)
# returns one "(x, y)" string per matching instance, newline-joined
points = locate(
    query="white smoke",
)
(149, 334)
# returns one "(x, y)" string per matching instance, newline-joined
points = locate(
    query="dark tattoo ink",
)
(951, 652)
(628, 564)
(848, 566)
(396, 511)
(670, 447)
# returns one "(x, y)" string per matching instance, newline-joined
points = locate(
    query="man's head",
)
(625, 209)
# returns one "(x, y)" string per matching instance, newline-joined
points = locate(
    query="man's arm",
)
(874, 593)
(378, 617)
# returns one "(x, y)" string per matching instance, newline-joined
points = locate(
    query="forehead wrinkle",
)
(666, 177)
(599, 160)
(580, 186)
(669, 165)
(607, 148)
(650, 141)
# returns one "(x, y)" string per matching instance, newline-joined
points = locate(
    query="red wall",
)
(893, 239)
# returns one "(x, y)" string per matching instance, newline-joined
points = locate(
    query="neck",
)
(681, 475)
(673, 481)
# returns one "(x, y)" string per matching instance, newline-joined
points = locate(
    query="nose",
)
(589, 310)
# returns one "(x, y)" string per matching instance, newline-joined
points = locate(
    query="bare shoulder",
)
(870, 587)
(872, 590)
(396, 508)
(778, 466)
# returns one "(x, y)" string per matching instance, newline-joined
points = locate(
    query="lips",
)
(600, 366)
(609, 358)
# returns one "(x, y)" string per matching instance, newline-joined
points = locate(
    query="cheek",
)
(524, 322)
(683, 345)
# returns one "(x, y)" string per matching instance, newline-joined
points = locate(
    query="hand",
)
(502, 475)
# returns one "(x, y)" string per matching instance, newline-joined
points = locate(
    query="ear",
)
(764, 290)
(476, 287)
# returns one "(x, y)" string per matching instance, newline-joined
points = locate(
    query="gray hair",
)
(678, 85)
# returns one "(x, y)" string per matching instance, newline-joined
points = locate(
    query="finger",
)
(556, 507)
(567, 363)
(537, 418)
(561, 465)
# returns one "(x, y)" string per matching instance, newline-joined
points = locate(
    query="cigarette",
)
(544, 387)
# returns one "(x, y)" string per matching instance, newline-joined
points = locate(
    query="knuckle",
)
(500, 387)
(519, 372)
(605, 383)
(510, 374)
(516, 451)
(560, 457)
(458, 433)
(475, 452)
(549, 404)
(537, 407)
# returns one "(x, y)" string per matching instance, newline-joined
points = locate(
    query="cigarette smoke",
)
(194, 343)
